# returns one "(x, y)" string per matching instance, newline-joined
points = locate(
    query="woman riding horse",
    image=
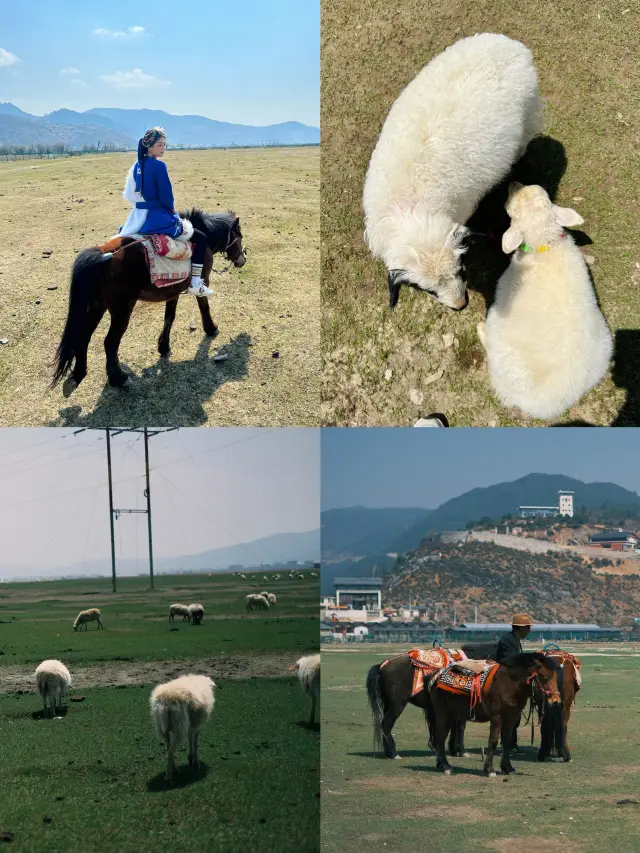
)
(148, 188)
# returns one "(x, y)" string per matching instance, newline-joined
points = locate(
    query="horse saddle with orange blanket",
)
(427, 662)
(466, 678)
(168, 260)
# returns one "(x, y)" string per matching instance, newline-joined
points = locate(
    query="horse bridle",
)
(225, 252)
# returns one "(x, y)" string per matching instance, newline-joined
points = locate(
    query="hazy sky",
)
(425, 467)
(210, 488)
(246, 61)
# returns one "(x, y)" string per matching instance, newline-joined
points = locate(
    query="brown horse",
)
(390, 688)
(114, 277)
(555, 717)
(501, 705)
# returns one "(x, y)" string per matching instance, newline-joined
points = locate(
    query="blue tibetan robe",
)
(158, 199)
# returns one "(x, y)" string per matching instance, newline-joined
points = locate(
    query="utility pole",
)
(148, 495)
(113, 544)
(475, 609)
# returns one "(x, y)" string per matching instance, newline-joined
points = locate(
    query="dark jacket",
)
(508, 644)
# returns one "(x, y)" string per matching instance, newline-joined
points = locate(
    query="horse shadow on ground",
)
(182, 778)
(310, 727)
(169, 393)
(543, 163)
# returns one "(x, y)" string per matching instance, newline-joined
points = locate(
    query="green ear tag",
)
(525, 247)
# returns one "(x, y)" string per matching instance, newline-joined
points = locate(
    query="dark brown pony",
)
(389, 690)
(114, 277)
(501, 706)
(555, 717)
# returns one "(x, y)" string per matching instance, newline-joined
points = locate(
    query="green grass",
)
(37, 619)
(379, 805)
(97, 773)
(271, 304)
(370, 52)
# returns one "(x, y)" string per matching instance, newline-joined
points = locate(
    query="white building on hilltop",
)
(564, 507)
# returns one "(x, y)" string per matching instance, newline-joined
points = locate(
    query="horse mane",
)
(527, 660)
(217, 226)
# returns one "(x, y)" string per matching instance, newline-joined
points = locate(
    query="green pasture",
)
(36, 619)
(381, 805)
(93, 779)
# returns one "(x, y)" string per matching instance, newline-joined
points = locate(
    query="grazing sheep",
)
(179, 610)
(309, 676)
(452, 134)
(244, 577)
(257, 602)
(180, 708)
(314, 575)
(271, 598)
(91, 615)
(196, 613)
(547, 342)
(52, 682)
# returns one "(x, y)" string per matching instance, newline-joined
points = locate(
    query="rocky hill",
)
(500, 581)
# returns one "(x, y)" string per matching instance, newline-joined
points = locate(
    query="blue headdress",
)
(150, 138)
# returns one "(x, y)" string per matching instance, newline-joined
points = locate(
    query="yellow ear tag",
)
(543, 249)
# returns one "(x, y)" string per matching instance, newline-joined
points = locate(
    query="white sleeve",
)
(129, 191)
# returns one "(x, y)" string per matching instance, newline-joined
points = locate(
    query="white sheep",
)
(547, 342)
(308, 669)
(244, 577)
(271, 598)
(52, 682)
(179, 610)
(314, 574)
(180, 708)
(265, 593)
(452, 135)
(256, 602)
(91, 615)
(196, 613)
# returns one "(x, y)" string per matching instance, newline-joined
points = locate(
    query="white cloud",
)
(7, 59)
(130, 33)
(78, 82)
(135, 79)
(69, 71)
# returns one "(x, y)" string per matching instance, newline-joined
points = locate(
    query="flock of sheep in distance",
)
(181, 707)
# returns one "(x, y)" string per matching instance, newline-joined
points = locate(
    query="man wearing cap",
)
(510, 644)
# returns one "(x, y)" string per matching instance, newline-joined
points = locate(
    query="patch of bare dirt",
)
(459, 814)
(535, 844)
(14, 679)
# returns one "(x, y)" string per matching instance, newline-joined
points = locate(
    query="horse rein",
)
(217, 272)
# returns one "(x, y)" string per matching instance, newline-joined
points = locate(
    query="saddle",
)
(168, 259)
(427, 662)
(468, 678)
(563, 657)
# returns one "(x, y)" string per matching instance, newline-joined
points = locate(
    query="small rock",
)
(448, 339)
(47, 251)
(192, 327)
(221, 357)
(416, 397)
(52, 287)
(4, 340)
(578, 198)
(38, 302)
(433, 377)
(275, 354)
(388, 374)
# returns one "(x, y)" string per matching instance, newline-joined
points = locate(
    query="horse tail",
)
(81, 295)
(375, 703)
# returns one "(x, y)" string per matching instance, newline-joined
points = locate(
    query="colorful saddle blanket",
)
(465, 683)
(427, 662)
(563, 657)
(169, 260)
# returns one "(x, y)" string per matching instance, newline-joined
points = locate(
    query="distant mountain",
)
(357, 531)
(493, 582)
(279, 548)
(124, 127)
(533, 490)
(31, 130)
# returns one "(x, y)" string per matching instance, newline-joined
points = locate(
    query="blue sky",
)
(425, 467)
(210, 488)
(248, 61)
